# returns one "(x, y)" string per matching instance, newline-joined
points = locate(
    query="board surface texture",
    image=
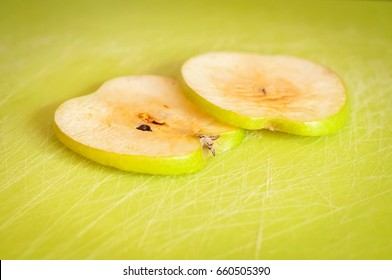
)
(276, 196)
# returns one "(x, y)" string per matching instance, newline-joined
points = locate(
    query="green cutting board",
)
(277, 196)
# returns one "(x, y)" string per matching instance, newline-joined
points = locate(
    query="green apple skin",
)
(312, 128)
(159, 165)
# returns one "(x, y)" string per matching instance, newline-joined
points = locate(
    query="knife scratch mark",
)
(315, 218)
(119, 202)
(259, 240)
(48, 230)
(34, 201)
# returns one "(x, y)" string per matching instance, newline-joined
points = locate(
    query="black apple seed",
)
(144, 127)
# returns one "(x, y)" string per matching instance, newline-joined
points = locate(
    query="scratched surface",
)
(276, 196)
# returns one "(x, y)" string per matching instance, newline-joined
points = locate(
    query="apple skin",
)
(307, 128)
(159, 165)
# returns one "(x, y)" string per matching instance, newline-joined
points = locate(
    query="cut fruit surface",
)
(141, 124)
(263, 91)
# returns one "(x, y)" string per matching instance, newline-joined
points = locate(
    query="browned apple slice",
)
(255, 91)
(142, 124)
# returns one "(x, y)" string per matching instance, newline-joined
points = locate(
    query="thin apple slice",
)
(142, 124)
(254, 91)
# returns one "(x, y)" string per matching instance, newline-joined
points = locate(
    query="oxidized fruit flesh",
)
(141, 124)
(264, 91)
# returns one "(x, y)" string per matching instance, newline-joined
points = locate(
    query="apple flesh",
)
(254, 91)
(142, 124)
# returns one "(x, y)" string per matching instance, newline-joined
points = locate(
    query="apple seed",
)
(144, 127)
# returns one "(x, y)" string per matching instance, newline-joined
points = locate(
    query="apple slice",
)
(254, 91)
(142, 124)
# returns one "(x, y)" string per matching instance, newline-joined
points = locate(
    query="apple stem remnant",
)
(208, 142)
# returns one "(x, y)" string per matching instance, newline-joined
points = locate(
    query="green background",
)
(277, 196)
